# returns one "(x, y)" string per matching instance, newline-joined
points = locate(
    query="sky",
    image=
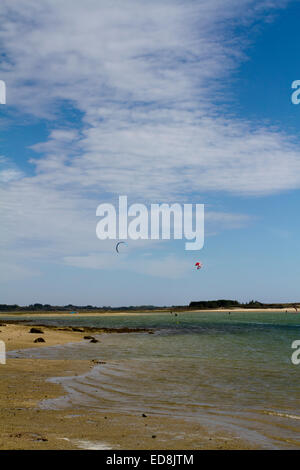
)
(164, 102)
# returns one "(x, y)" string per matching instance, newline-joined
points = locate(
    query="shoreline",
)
(152, 312)
(24, 384)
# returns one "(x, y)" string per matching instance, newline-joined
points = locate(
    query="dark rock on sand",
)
(144, 416)
(88, 337)
(79, 330)
(36, 331)
(94, 340)
(39, 340)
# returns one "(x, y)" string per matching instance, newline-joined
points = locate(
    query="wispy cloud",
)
(167, 266)
(144, 77)
(9, 171)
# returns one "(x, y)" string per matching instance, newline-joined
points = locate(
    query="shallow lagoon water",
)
(231, 371)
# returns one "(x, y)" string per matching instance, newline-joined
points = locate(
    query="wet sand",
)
(24, 425)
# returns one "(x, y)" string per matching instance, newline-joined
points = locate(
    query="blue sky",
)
(164, 102)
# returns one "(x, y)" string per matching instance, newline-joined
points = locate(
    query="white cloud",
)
(9, 175)
(171, 266)
(14, 272)
(143, 76)
(8, 171)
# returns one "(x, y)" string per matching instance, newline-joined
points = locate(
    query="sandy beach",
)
(25, 426)
(33, 314)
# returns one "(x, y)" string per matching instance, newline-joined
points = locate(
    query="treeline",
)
(211, 304)
(199, 305)
(227, 304)
(67, 308)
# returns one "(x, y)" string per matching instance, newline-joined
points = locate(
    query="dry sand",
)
(24, 426)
